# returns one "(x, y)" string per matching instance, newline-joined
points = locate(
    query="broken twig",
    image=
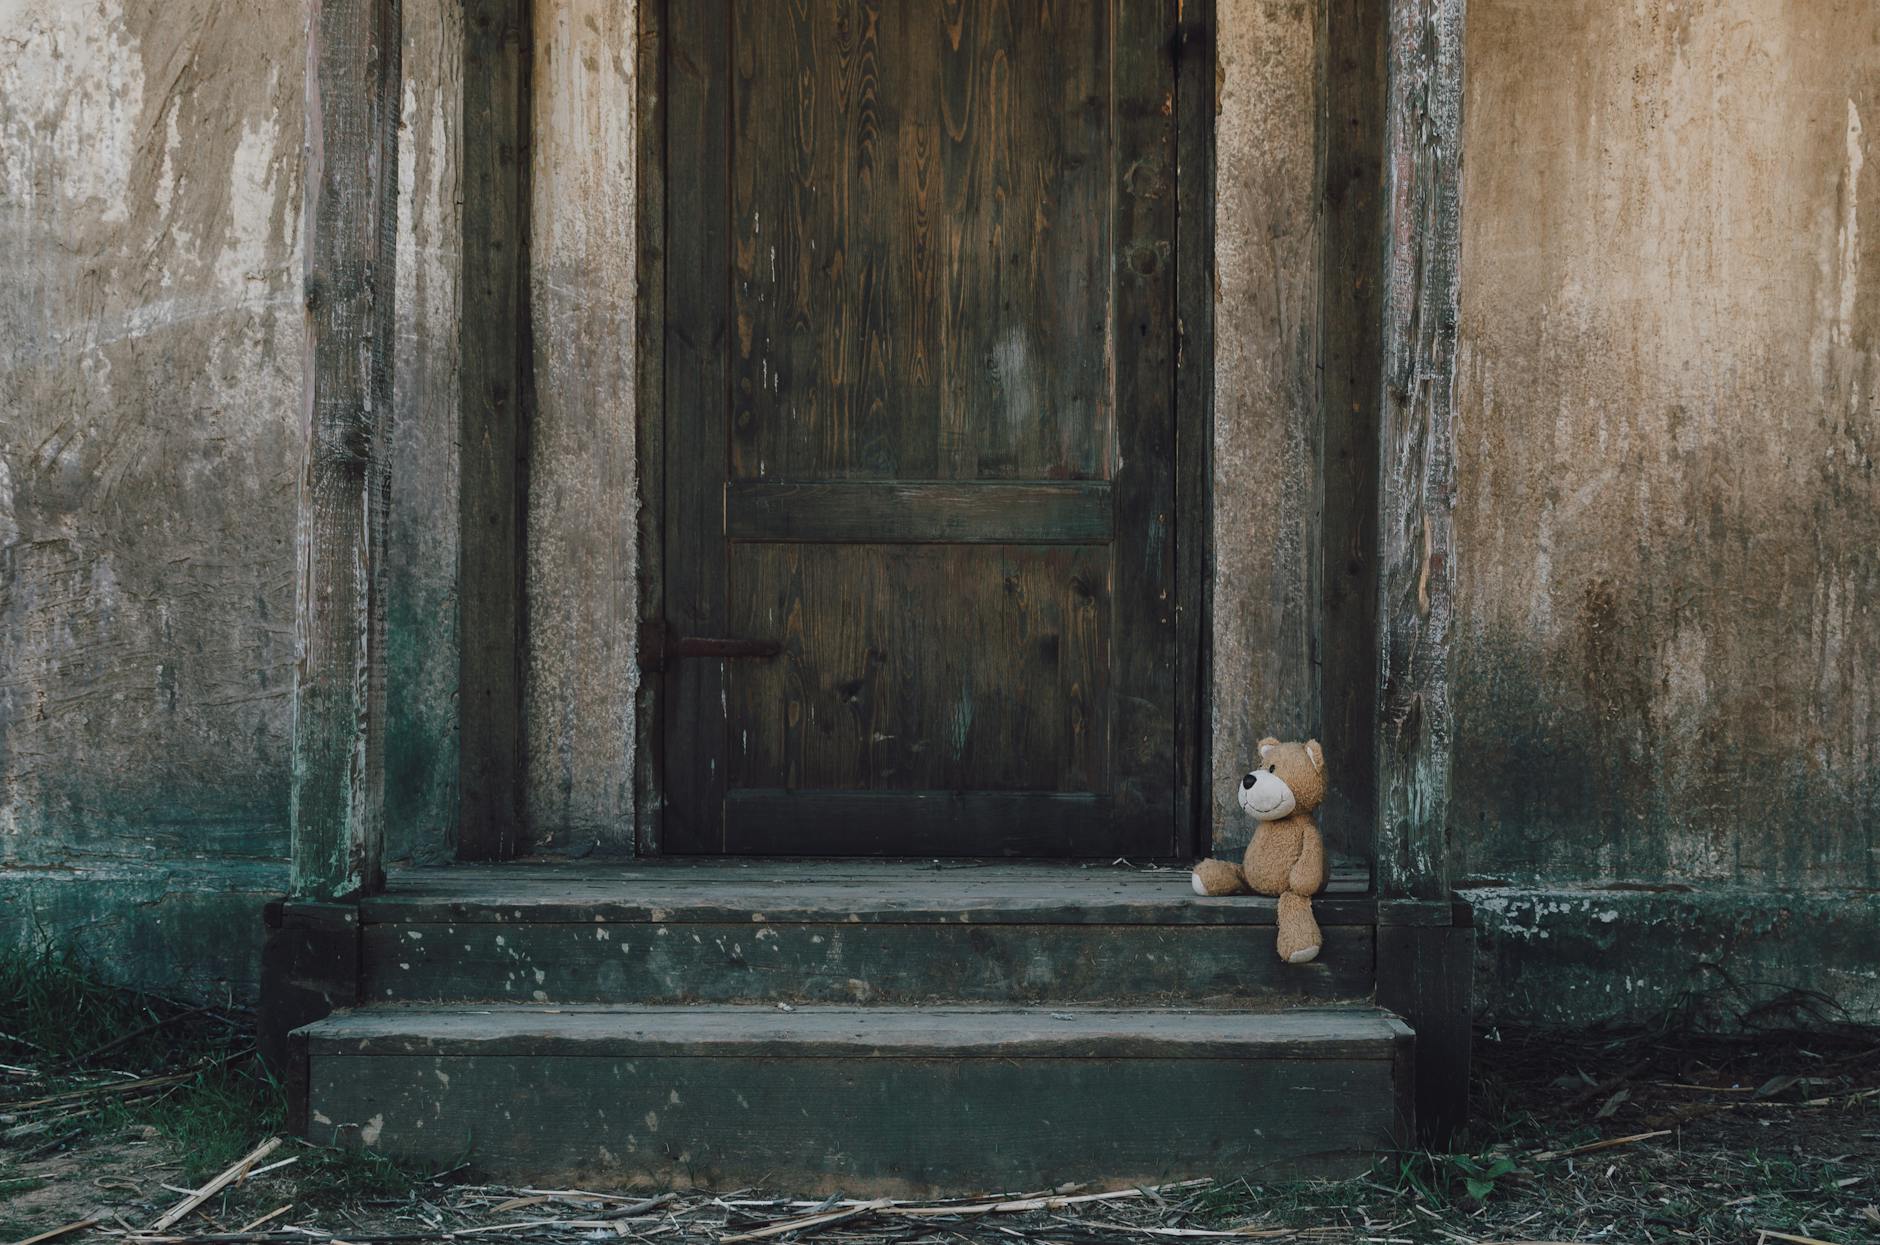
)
(227, 1178)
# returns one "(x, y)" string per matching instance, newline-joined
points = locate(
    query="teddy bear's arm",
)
(1307, 876)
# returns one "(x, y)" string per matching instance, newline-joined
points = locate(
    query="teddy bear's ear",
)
(1267, 745)
(1317, 754)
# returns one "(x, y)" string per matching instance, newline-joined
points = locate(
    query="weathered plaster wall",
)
(1267, 243)
(583, 517)
(150, 337)
(151, 340)
(1668, 527)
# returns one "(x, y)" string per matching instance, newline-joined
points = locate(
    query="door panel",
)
(923, 667)
(920, 426)
(921, 235)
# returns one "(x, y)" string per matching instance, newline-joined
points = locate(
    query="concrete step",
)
(849, 932)
(877, 1100)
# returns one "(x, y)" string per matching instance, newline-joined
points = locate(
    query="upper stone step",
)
(874, 932)
(864, 1100)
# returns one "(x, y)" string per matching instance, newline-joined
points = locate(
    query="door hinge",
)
(658, 646)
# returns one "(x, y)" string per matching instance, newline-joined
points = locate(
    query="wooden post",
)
(649, 729)
(1351, 386)
(350, 225)
(1425, 973)
(1417, 461)
(1425, 945)
(1196, 64)
(493, 431)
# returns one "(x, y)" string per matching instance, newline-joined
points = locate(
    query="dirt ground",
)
(1618, 1138)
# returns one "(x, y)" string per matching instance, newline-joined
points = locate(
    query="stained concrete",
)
(1718, 956)
(1668, 516)
(1266, 262)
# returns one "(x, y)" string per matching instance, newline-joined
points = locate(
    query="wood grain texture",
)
(1265, 448)
(926, 512)
(1066, 825)
(875, 963)
(493, 415)
(581, 672)
(351, 223)
(819, 1125)
(1350, 329)
(1196, 65)
(650, 413)
(423, 536)
(697, 343)
(948, 293)
(923, 183)
(1144, 664)
(1416, 569)
(922, 667)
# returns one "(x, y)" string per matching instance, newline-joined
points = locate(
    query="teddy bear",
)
(1286, 857)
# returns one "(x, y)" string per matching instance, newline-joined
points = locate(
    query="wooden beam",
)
(1416, 440)
(996, 512)
(350, 224)
(650, 404)
(1350, 386)
(1197, 61)
(1426, 974)
(493, 429)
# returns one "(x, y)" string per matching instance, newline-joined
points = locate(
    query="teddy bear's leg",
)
(1218, 877)
(1299, 937)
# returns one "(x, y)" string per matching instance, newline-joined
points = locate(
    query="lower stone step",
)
(881, 1100)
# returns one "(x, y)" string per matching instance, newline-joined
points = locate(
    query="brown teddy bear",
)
(1286, 857)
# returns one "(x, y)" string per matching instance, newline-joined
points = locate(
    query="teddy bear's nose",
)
(1247, 782)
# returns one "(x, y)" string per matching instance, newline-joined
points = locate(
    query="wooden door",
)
(920, 426)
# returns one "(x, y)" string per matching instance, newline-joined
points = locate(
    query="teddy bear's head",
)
(1290, 779)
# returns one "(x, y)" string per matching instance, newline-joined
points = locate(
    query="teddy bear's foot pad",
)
(895, 1100)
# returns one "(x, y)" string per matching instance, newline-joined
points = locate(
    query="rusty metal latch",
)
(658, 646)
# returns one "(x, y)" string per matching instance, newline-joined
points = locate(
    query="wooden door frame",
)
(350, 228)
(1192, 45)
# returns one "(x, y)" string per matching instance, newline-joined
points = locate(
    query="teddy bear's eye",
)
(1271, 768)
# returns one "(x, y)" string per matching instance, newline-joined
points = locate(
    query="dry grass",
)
(1634, 1137)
